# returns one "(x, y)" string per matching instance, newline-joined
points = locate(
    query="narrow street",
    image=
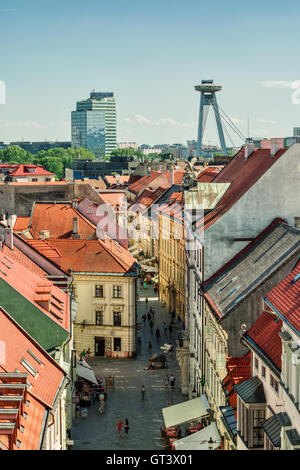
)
(125, 401)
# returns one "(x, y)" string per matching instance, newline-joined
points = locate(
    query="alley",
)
(125, 401)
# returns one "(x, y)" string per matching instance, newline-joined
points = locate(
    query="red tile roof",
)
(43, 386)
(238, 370)
(242, 174)
(178, 175)
(58, 219)
(149, 196)
(285, 298)
(149, 181)
(111, 179)
(21, 224)
(113, 199)
(24, 170)
(47, 250)
(265, 334)
(208, 174)
(21, 273)
(94, 256)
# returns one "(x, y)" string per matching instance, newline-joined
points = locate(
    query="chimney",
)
(1, 241)
(11, 221)
(44, 234)
(75, 226)
(276, 144)
(171, 178)
(9, 238)
(249, 148)
(75, 234)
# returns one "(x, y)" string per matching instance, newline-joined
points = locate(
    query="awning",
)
(85, 372)
(200, 440)
(184, 412)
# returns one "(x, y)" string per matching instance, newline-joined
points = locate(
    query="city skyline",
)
(153, 78)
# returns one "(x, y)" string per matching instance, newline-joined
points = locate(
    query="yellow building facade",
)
(106, 317)
(172, 266)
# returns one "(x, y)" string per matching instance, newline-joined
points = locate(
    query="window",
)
(98, 291)
(258, 434)
(274, 383)
(256, 363)
(117, 291)
(117, 344)
(117, 318)
(99, 317)
(48, 179)
(34, 179)
(263, 371)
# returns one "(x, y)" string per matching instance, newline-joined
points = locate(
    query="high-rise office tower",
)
(94, 124)
(296, 131)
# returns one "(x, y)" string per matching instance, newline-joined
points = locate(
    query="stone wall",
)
(18, 198)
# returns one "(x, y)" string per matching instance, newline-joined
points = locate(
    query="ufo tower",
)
(208, 98)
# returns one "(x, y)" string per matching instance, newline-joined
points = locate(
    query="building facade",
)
(94, 124)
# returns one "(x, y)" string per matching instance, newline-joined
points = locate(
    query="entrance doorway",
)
(99, 346)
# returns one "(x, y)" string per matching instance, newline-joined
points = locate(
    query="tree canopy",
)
(55, 160)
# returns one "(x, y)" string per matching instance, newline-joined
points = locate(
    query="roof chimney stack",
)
(276, 144)
(75, 226)
(9, 238)
(249, 149)
(171, 178)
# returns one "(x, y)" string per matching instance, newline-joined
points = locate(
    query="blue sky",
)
(151, 54)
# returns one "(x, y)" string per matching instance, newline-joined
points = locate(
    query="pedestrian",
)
(94, 396)
(151, 326)
(165, 328)
(149, 316)
(150, 346)
(172, 381)
(157, 333)
(166, 383)
(143, 392)
(126, 427)
(145, 284)
(144, 318)
(119, 426)
(170, 329)
(88, 354)
(146, 302)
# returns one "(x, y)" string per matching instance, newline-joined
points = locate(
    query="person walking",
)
(126, 427)
(151, 326)
(143, 392)
(157, 333)
(119, 426)
(146, 301)
(149, 316)
(166, 382)
(150, 347)
(172, 381)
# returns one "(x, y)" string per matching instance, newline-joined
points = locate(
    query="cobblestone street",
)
(125, 401)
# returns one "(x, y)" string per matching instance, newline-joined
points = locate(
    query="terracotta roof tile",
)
(94, 256)
(22, 274)
(21, 224)
(285, 298)
(58, 219)
(265, 334)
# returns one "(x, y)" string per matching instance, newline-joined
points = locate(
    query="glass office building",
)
(94, 124)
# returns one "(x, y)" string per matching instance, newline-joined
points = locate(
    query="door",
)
(99, 346)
